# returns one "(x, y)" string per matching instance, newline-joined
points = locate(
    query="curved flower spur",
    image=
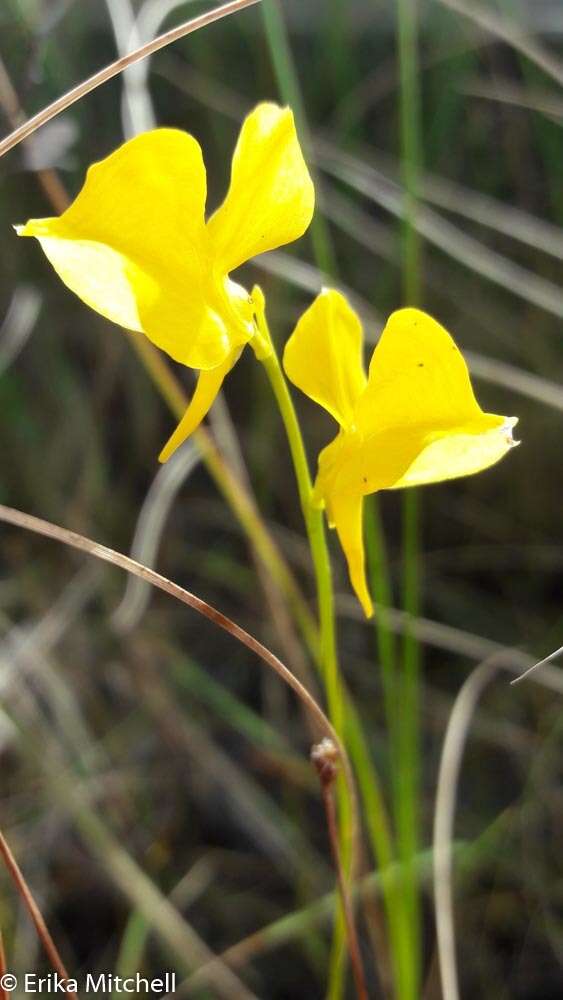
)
(135, 246)
(414, 419)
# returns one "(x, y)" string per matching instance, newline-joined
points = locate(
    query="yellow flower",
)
(135, 246)
(413, 420)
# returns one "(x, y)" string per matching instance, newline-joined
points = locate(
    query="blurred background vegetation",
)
(123, 709)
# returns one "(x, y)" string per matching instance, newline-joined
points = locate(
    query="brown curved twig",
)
(86, 86)
(324, 759)
(3, 992)
(32, 908)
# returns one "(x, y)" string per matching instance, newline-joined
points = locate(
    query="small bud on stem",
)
(325, 758)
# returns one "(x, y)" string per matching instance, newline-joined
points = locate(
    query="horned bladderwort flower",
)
(414, 419)
(135, 246)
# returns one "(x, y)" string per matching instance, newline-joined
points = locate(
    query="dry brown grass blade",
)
(114, 68)
(3, 992)
(34, 912)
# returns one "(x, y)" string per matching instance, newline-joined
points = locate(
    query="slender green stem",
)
(407, 774)
(132, 947)
(407, 740)
(288, 83)
(401, 719)
(407, 28)
(383, 598)
(328, 650)
(316, 535)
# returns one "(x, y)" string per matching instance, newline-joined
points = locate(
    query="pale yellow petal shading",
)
(242, 308)
(460, 453)
(323, 356)
(347, 516)
(417, 377)
(413, 456)
(271, 198)
(134, 246)
(332, 459)
(208, 386)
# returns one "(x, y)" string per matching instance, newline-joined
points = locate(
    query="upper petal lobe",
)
(323, 356)
(133, 245)
(271, 198)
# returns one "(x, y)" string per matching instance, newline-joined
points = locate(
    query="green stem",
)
(288, 84)
(381, 589)
(407, 24)
(407, 773)
(317, 540)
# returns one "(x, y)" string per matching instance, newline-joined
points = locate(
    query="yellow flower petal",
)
(323, 356)
(460, 453)
(134, 246)
(339, 455)
(417, 378)
(412, 456)
(347, 516)
(271, 198)
(208, 386)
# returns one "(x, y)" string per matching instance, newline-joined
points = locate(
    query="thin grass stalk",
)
(325, 759)
(340, 61)
(344, 890)
(511, 33)
(290, 90)
(4, 995)
(444, 817)
(388, 661)
(116, 67)
(383, 599)
(32, 908)
(317, 541)
(131, 948)
(407, 766)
